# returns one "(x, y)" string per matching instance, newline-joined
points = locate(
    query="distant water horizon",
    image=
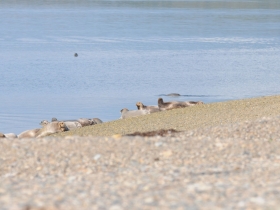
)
(130, 51)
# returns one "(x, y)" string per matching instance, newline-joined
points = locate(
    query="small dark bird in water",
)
(76, 54)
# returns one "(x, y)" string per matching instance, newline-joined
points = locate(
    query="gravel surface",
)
(230, 166)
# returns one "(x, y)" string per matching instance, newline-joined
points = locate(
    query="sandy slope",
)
(188, 118)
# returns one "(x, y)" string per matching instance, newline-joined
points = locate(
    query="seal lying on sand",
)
(29, 133)
(168, 105)
(47, 129)
(82, 121)
(44, 122)
(85, 121)
(10, 135)
(96, 121)
(125, 113)
(175, 104)
(50, 128)
(190, 103)
(70, 124)
(152, 109)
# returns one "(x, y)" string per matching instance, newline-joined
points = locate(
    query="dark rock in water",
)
(76, 54)
(161, 132)
(173, 94)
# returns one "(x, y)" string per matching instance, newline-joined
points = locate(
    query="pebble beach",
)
(226, 155)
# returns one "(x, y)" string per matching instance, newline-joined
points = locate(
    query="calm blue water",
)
(131, 51)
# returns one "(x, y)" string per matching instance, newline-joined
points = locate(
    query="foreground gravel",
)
(235, 166)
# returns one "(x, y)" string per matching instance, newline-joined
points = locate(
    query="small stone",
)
(158, 144)
(117, 136)
(115, 207)
(96, 157)
(241, 204)
(149, 200)
(257, 200)
(166, 153)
